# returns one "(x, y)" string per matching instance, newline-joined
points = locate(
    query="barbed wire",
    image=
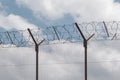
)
(61, 34)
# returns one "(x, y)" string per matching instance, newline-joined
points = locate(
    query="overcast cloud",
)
(64, 61)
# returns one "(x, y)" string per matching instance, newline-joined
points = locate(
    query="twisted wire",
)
(61, 34)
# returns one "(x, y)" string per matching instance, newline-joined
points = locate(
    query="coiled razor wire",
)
(61, 34)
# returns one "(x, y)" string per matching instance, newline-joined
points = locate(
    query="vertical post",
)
(37, 51)
(85, 48)
(85, 58)
(37, 62)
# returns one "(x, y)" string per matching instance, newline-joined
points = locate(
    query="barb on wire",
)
(61, 34)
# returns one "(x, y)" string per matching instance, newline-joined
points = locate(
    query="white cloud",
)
(11, 64)
(12, 21)
(81, 10)
(61, 61)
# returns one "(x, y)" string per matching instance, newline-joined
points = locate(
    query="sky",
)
(60, 61)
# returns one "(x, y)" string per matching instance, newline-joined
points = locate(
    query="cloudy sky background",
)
(61, 61)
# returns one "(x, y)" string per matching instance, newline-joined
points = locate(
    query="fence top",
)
(61, 34)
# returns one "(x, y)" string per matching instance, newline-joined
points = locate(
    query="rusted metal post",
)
(85, 48)
(37, 56)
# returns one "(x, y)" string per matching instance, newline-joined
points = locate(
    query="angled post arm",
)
(37, 51)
